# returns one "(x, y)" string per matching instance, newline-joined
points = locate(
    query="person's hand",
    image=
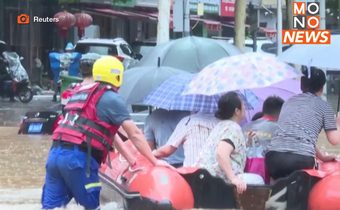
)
(163, 163)
(251, 135)
(154, 152)
(328, 158)
(337, 121)
(241, 186)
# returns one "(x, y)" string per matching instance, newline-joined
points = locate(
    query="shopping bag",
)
(257, 165)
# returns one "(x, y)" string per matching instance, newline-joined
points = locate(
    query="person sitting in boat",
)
(224, 153)
(260, 133)
(159, 126)
(293, 146)
(191, 132)
(264, 127)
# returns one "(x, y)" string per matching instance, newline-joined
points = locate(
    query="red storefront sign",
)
(227, 8)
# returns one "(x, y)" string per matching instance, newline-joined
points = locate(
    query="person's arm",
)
(224, 150)
(138, 139)
(324, 157)
(176, 139)
(333, 136)
(164, 151)
(112, 109)
(331, 126)
(119, 145)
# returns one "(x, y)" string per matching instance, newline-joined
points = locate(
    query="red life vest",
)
(66, 94)
(81, 124)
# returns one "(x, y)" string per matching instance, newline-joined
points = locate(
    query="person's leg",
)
(54, 99)
(11, 94)
(55, 89)
(282, 164)
(8, 89)
(55, 193)
(251, 178)
(85, 190)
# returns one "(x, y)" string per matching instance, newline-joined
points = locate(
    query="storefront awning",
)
(123, 13)
(211, 24)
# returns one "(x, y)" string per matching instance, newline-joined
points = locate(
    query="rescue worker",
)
(83, 139)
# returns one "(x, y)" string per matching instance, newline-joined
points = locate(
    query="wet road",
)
(12, 113)
(22, 166)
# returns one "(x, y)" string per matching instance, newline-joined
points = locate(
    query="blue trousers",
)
(66, 179)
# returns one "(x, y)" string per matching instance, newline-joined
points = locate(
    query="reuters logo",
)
(23, 19)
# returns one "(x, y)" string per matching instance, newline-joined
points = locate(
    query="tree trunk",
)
(163, 21)
(240, 23)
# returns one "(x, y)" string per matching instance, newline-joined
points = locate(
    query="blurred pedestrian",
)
(38, 70)
(70, 61)
(55, 65)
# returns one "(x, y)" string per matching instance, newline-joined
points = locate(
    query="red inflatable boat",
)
(145, 187)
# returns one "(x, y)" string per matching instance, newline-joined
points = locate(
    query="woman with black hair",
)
(302, 117)
(224, 153)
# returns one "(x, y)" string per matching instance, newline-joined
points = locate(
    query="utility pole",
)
(279, 27)
(322, 14)
(186, 24)
(240, 23)
(254, 23)
(163, 34)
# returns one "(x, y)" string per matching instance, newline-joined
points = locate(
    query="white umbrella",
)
(190, 53)
(322, 56)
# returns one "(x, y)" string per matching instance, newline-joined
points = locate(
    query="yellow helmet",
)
(108, 69)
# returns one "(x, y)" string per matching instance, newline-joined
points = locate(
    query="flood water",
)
(22, 165)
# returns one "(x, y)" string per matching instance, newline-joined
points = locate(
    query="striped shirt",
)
(192, 132)
(301, 120)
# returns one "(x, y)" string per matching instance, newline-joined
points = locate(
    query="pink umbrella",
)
(284, 89)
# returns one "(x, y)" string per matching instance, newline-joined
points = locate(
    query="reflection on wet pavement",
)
(22, 158)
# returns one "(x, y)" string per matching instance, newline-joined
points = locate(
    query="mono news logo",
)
(306, 25)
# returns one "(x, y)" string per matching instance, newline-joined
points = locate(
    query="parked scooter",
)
(17, 83)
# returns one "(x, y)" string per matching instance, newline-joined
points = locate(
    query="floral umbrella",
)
(245, 71)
